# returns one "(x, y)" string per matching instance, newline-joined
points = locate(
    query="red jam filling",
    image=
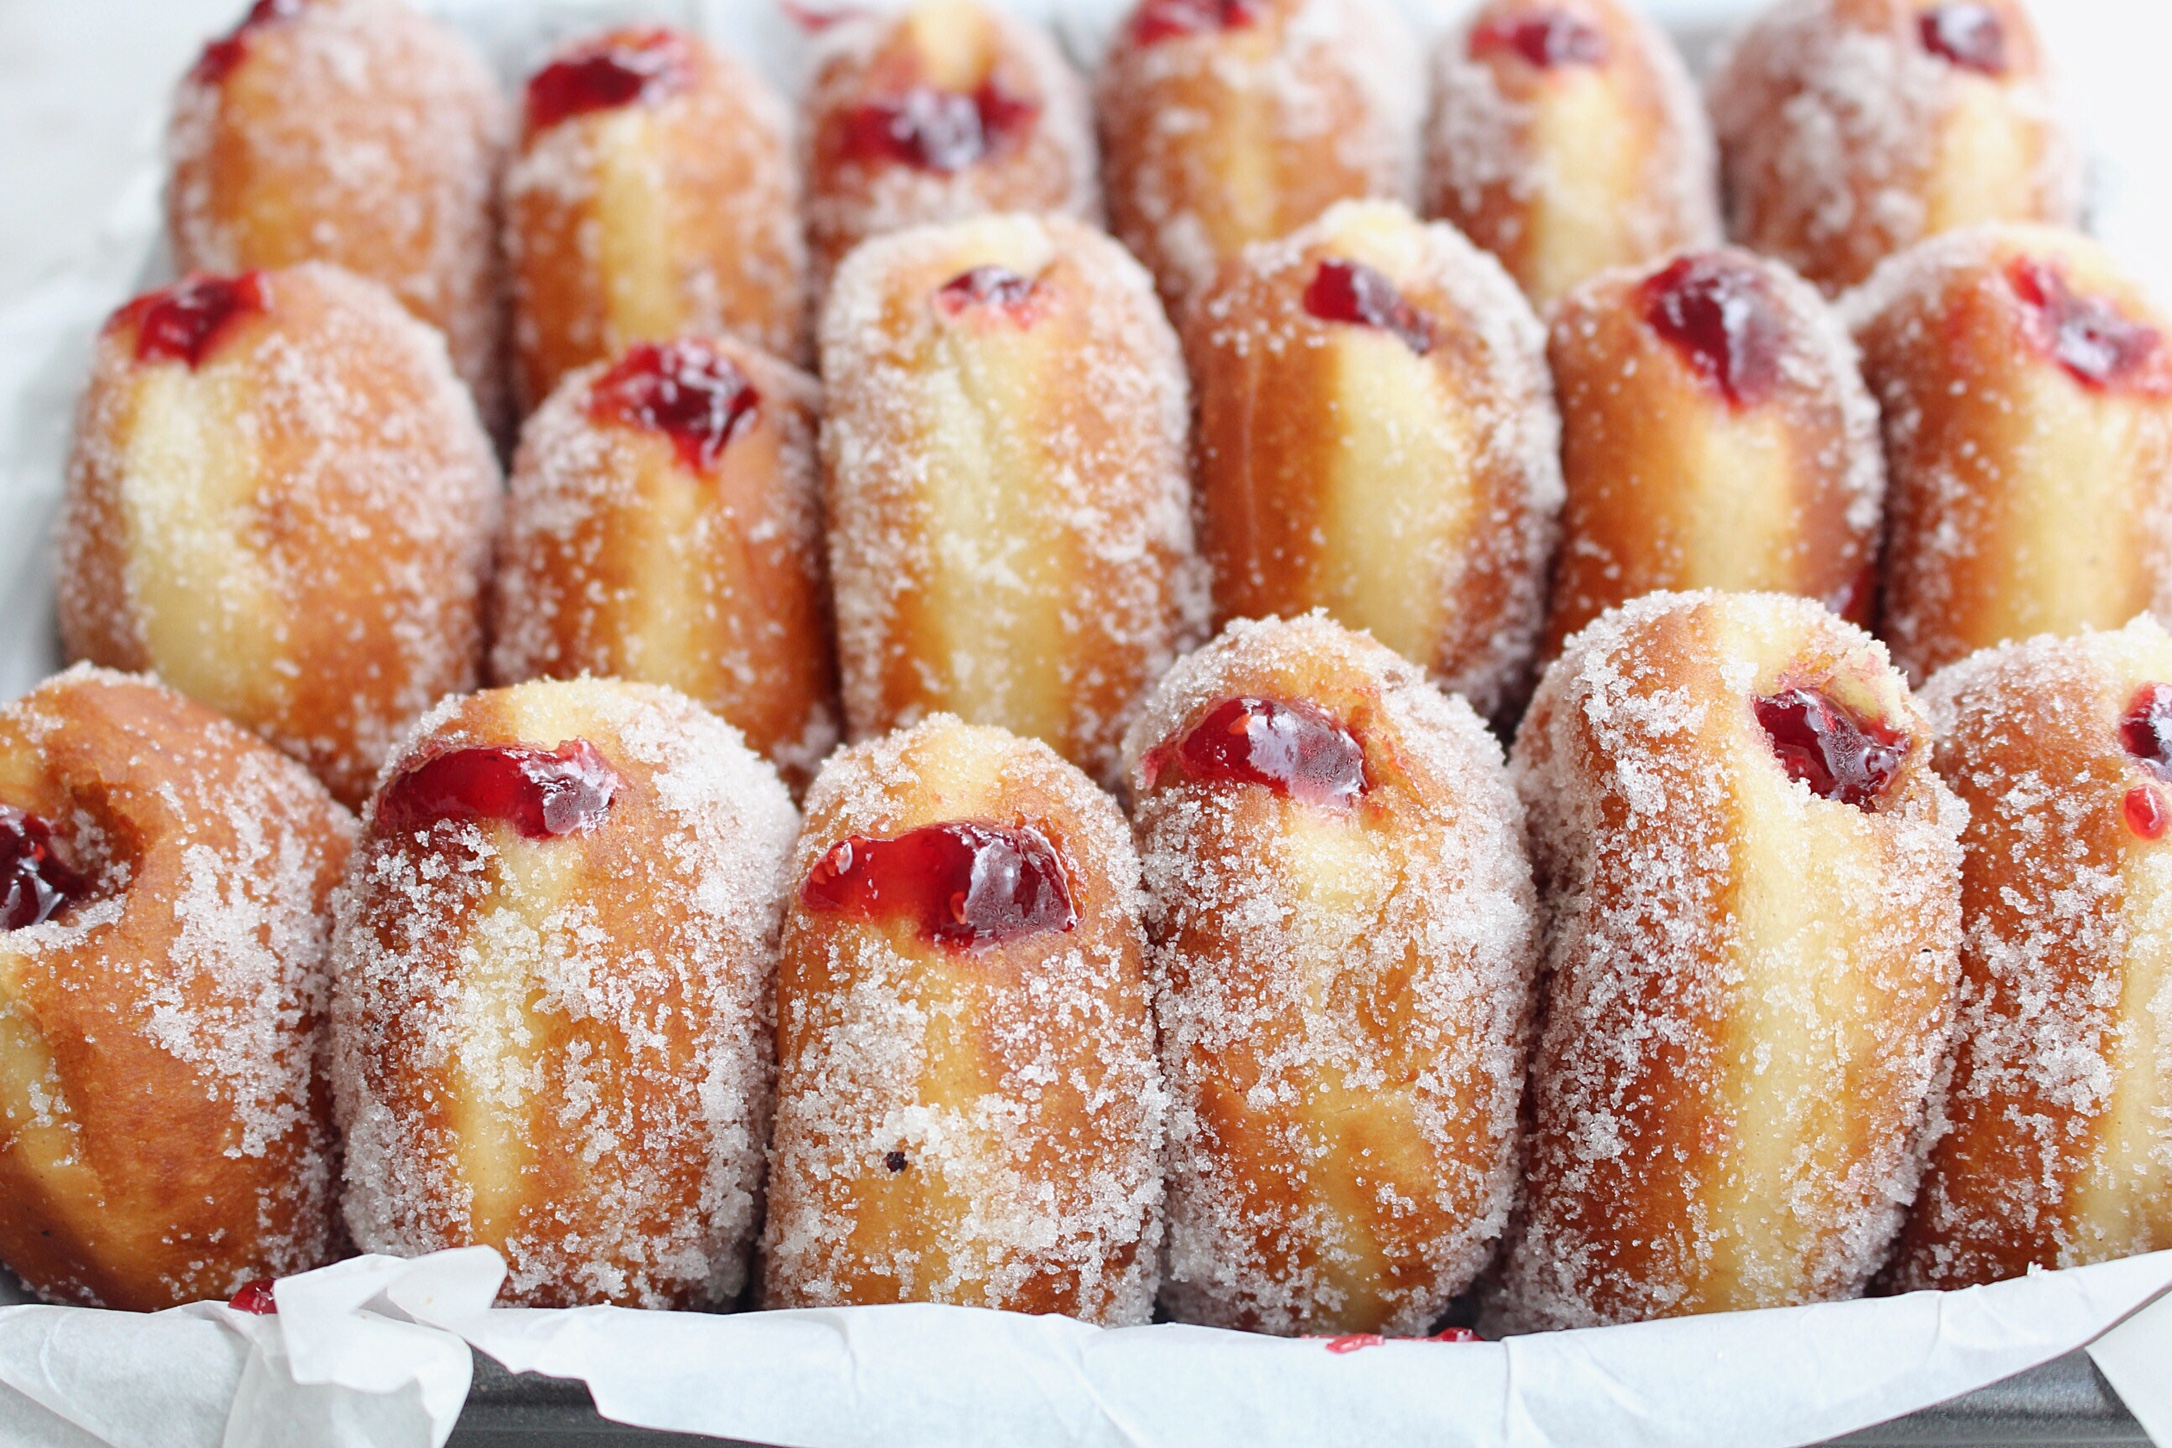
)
(541, 793)
(1292, 748)
(937, 130)
(1159, 20)
(1350, 291)
(186, 321)
(686, 390)
(2145, 812)
(39, 884)
(961, 885)
(2145, 732)
(1826, 746)
(1547, 38)
(1857, 599)
(1967, 34)
(221, 56)
(1456, 1334)
(989, 286)
(628, 68)
(2086, 335)
(1714, 311)
(257, 1298)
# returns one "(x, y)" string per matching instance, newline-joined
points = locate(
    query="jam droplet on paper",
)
(961, 885)
(256, 1298)
(541, 793)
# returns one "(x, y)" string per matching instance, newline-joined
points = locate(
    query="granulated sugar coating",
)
(971, 1124)
(1749, 998)
(560, 1046)
(166, 1136)
(2059, 1153)
(1007, 494)
(357, 132)
(294, 530)
(1343, 991)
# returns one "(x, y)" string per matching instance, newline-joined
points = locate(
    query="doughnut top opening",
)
(2086, 335)
(1159, 20)
(187, 321)
(938, 130)
(221, 56)
(989, 286)
(1967, 34)
(1549, 38)
(1350, 291)
(1715, 311)
(541, 793)
(962, 884)
(624, 68)
(39, 884)
(1293, 748)
(1838, 753)
(686, 390)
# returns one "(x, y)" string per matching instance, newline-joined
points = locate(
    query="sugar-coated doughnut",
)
(1006, 482)
(1377, 437)
(1715, 433)
(1342, 946)
(357, 132)
(1225, 122)
(281, 501)
(2058, 1153)
(165, 880)
(1751, 877)
(947, 109)
(2027, 394)
(656, 194)
(1566, 137)
(664, 524)
(1850, 129)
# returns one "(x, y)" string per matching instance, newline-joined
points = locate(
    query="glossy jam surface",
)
(622, 69)
(1292, 748)
(937, 130)
(256, 1298)
(962, 885)
(1826, 746)
(2145, 731)
(221, 56)
(1857, 599)
(2086, 335)
(2145, 812)
(1547, 38)
(990, 287)
(1350, 291)
(1715, 311)
(540, 792)
(39, 883)
(187, 321)
(686, 390)
(1159, 20)
(1967, 34)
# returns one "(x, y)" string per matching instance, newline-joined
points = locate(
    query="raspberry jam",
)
(186, 321)
(222, 56)
(2097, 346)
(1857, 599)
(1716, 313)
(611, 71)
(937, 130)
(1840, 756)
(1350, 291)
(686, 390)
(2145, 731)
(1547, 38)
(1967, 34)
(1456, 1334)
(1294, 749)
(2145, 812)
(960, 885)
(1159, 20)
(39, 884)
(541, 793)
(256, 1298)
(1354, 1341)
(989, 286)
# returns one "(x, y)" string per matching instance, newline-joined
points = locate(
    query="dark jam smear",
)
(2145, 731)
(1294, 749)
(622, 69)
(540, 792)
(187, 321)
(1548, 39)
(1840, 755)
(686, 390)
(256, 1298)
(1966, 34)
(990, 286)
(1715, 310)
(1159, 20)
(39, 883)
(2086, 335)
(962, 885)
(1350, 291)
(222, 56)
(938, 130)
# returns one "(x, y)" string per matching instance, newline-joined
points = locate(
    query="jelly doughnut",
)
(968, 1105)
(1342, 947)
(550, 1031)
(1225, 122)
(1377, 437)
(1715, 433)
(946, 110)
(656, 194)
(1751, 877)
(1005, 473)
(1850, 129)
(1566, 138)
(358, 132)
(163, 971)
(2027, 393)
(2058, 1153)
(663, 524)
(280, 499)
